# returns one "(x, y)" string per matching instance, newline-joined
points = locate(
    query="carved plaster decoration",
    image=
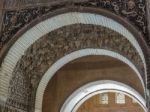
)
(74, 101)
(132, 10)
(51, 47)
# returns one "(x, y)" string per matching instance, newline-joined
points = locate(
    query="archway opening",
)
(82, 71)
(89, 43)
(77, 99)
(110, 102)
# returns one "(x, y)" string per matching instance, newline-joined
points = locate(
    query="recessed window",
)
(104, 98)
(120, 98)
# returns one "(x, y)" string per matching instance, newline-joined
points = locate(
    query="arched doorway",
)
(110, 101)
(73, 103)
(80, 72)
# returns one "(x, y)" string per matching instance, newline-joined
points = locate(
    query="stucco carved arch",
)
(66, 59)
(25, 41)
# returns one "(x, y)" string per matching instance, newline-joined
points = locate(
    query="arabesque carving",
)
(132, 10)
(48, 49)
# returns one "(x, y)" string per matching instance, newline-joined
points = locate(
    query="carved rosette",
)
(48, 49)
(132, 10)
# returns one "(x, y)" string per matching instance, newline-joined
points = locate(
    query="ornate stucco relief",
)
(133, 11)
(48, 49)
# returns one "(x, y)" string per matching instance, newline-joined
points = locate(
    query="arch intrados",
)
(70, 57)
(77, 98)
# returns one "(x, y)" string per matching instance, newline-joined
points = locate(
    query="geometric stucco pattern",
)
(133, 11)
(54, 45)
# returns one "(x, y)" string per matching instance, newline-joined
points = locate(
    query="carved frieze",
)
(16, 19)
(48, 49)
(132, 10)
